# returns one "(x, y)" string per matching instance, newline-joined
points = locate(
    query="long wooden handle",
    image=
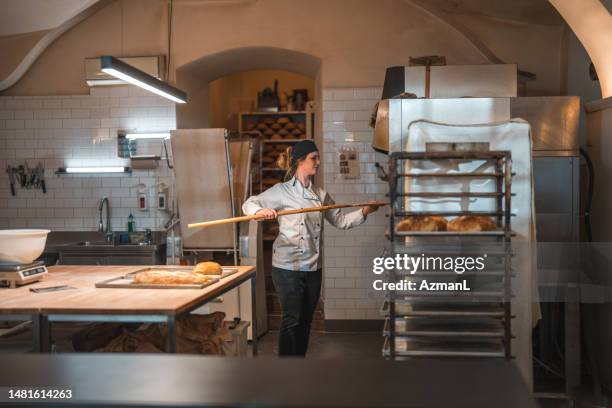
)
(280, 213)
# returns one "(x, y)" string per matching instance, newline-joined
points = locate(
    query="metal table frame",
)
(25, 317)
(41, 332)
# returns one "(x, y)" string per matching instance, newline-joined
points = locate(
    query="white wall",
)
(81, 130)
(348, 254)
(78, 131)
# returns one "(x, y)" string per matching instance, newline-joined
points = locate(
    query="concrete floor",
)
(323, 345)
(331, 345)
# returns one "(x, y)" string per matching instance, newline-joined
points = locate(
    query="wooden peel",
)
(280, 213)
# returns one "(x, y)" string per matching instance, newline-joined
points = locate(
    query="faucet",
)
(100, 224)
(148, 240)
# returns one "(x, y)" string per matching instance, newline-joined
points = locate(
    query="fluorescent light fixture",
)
(110, 169)
(149, 135)
(104, 82)
(128, 73)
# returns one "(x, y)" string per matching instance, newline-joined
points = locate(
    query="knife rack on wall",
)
(26, 177)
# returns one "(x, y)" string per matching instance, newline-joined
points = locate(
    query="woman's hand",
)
(268, 213)
(369, 209)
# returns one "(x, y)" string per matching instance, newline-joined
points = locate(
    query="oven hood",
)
(472, 95)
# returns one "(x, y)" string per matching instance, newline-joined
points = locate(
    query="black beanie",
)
(302, 148)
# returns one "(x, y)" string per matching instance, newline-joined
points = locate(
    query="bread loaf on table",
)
(164, 277)
(423, 223)
(472, 223)
(208, 268)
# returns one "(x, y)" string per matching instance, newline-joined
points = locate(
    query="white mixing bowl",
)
(22, 246)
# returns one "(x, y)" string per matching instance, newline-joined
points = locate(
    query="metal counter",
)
(189, 381)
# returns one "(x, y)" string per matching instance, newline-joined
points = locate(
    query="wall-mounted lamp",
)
(148, 135)
(128, 73)
(81, 170)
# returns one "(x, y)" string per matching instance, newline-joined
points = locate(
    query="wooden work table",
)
(86, 303)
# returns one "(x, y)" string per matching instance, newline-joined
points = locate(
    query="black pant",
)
(299, 294)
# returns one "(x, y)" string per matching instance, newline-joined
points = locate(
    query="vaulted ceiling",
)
(31, 25)
(520, 11)
(25, 16)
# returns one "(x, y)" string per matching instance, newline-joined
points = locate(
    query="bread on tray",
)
(472, 223)
(166, 277)
(423, 223)
(208, 268)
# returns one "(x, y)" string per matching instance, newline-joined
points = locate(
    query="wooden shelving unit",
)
(276, 131)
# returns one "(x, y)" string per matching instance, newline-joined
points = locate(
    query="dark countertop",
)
(171, 381)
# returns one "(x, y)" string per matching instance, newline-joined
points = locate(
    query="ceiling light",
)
(150, 135)
(128, 73)
(111, 169)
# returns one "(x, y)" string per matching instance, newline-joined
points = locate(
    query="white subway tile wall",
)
(347, 262)
(80, 130)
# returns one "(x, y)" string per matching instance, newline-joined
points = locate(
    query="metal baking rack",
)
(454, 323)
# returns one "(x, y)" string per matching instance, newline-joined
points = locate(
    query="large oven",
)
(464, 101)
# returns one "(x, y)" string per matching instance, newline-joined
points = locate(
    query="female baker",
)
(296, 259)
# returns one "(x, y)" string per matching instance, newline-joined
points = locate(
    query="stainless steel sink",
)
(108, 244)
(95, 243)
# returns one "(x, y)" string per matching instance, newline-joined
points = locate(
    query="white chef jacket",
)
(298, 245)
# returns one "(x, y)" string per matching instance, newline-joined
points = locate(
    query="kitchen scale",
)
(22, 274)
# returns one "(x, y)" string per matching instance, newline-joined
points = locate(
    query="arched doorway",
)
(200, 79)
(195, 77)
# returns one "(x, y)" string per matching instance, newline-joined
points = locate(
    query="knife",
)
(21, 177)
(51, 288)
(40, 172)
(28, 175)
(11, 174)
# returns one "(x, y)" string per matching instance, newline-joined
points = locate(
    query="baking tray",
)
(489, 310)
(226, 270)
(494, 233)
(446, 328)
(407, 348)
(125, 281)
